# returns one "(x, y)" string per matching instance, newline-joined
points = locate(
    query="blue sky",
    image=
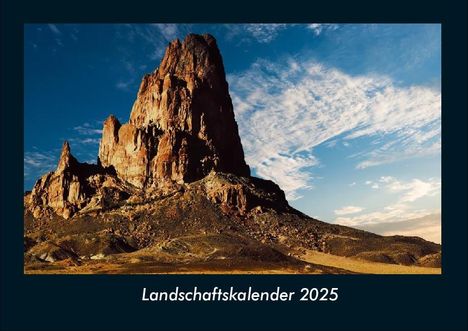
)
(345, 118)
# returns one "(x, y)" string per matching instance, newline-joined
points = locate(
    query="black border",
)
(367, 302)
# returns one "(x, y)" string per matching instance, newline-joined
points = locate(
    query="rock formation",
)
(62, 190)
(181, 128)
(182, 123)
(74, 186)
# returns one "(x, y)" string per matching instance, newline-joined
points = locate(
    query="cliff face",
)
(74, 186)
(182, 123)
(181, 129)
(63, 190)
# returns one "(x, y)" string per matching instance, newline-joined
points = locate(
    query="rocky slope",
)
(171, 188)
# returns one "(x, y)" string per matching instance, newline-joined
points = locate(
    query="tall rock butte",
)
(182, 123)
(181, 129)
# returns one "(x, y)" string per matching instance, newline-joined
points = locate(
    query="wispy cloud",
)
(88, 129)
(267, 32)
(37, 163)
(285, 109)
(148, 39)
(427, 227)
(348, 210)
(153, 37)
(262, 33)
(57, 33)
(125, 85)
(287, 169)
(332, 143)
(86, 141)
(402, 208)
(74, 33)
(88, 133)
(84, 136)
(391, 213)
(131, 73)
(317, 29)
(372, 184)
(38, 159)
(168, 31)
(412, 190)
(61, 34)
(54, 29)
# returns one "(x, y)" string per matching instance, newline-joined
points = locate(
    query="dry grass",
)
(366, 267)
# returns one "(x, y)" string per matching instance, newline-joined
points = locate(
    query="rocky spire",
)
(66, 160)
(182, 123)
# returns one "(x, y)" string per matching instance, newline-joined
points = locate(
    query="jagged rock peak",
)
(186, 68)
(66, 160)
(198, 55)
(112, 121)
(182, 123)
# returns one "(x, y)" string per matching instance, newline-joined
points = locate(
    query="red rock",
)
(72, 187)
(181, 129)
(182, 124)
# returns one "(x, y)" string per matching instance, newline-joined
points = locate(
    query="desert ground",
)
(316, 263)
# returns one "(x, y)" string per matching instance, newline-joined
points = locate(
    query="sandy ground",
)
(366, 267)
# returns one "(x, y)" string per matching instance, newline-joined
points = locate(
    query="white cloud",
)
(37, 159)
(402, 209)
(89, 133)
(392, 213)
(54, 29)
(86, 141)
(414, 189)
(125, 85)
(37, 163)
(88, 130)
(58, 34)
(286, 109)
(288, 168)
(265, 33)
(318, 29)
(332, 143)
(91, 160)
(152, 39)
(427, 227)
(348, 210)
(352, 184)
(385, 179)
(262, 33)
(169, 31)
